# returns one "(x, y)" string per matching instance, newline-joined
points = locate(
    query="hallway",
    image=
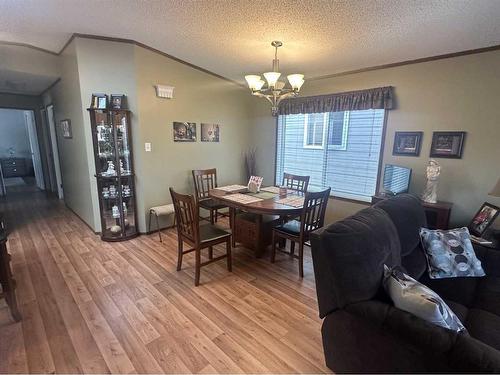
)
(96, 307)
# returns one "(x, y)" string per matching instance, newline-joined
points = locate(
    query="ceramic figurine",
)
(115, 212)
(433, 172)
(111, 169)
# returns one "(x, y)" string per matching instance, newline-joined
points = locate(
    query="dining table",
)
(268, 201)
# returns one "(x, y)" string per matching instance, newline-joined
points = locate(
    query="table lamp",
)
(496, 189)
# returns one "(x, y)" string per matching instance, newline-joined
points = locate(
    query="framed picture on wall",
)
(210, 132)
(66, 128)
(447, 144)
(407, 143)
(184, 131)
(483, 218)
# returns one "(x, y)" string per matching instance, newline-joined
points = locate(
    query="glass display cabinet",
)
(114, 172)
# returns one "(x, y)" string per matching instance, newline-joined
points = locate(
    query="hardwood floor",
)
(96, 307)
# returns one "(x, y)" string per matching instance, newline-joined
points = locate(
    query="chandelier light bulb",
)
(272, 78)
(253, 81)
(259, 84)
(296, 81)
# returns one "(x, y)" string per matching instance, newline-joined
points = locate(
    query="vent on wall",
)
(163, 91)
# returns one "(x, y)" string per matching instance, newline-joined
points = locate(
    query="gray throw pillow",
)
(450, 253)
(411, 296)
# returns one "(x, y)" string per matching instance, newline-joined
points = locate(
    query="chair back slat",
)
(295, 182)
(186, 213)
(204, 181)
(313, 213)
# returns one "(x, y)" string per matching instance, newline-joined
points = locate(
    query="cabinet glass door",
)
(106, 163)
(119, 121)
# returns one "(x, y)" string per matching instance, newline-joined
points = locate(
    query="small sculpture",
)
(115, 212)
(433, 172)
(111, 169)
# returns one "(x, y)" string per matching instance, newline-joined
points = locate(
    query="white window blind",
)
(346, 158)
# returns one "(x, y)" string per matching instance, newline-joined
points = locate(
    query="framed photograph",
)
(184, 131)
(447, 144)
(483, 218)
(117, 101)
(99, 101)
(66, 128)
(210, 132)
(407, 143)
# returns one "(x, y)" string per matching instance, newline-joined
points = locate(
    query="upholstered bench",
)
(165, 210)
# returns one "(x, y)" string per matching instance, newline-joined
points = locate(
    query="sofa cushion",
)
(450, 253)
(488, 295)
(349, 256)
(461, 289)
(408, 216)
(484, 326)
(460, 310)
(411, 296)
(415, 263)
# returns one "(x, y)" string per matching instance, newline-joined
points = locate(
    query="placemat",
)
(242, 198)
(231, 188)
(263, 195)
(293, 201)
(276, 189)
(271, 189)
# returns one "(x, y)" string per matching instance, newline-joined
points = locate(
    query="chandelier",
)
(275, 90)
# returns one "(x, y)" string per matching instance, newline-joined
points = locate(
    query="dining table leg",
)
(232, 221)
(259, 247)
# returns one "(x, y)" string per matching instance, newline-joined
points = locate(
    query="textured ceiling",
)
(232, 37)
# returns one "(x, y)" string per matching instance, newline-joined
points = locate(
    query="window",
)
(336, 149)
(337, 130)
(315, 125)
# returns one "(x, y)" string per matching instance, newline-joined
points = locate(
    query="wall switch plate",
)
(147, 146)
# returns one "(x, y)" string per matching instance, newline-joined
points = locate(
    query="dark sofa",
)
(363, 331)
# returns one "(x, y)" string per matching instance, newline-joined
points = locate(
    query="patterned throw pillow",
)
(411, 296)
(450, 253)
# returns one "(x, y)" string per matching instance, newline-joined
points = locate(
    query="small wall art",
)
(407, 143)
(210, 132)
(66, 130)
(184, 131)
(447, 144)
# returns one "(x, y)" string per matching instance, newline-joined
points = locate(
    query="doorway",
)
(20, 161)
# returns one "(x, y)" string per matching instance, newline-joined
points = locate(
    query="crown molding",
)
(410, 62)
(3, 42)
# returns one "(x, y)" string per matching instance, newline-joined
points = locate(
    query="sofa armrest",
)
(490, 259)
(461, 351)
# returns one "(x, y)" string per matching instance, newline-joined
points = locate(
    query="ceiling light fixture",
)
(275, 90)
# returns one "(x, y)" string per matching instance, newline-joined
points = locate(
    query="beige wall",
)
(452, 94)
(66, 98)
(198, 97)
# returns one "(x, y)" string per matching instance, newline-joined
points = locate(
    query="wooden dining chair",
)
(199, 237)
(312, 217)
(204, 181)
(296, 182)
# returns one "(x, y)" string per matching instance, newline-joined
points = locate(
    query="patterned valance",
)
(376, 98)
